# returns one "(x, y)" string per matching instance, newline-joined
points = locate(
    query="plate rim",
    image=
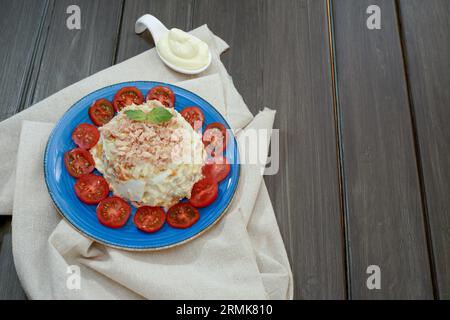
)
(132, 248)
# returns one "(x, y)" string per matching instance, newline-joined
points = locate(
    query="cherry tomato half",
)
(194, 116)
(204, 192)
(113, 212)
(78, 162)
(216, 168)
(91, 189)
(182, 215)
(163, 94)
(127, 96)
(101, 112)
(215, 138)
(149, 219)
(85, 135)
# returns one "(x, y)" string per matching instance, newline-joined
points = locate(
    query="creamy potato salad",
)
(151, 164)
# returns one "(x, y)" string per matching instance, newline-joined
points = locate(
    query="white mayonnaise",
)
(183, 50)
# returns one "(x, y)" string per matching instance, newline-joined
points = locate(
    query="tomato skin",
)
(204, 192)
(194, 116)
(85, 135)
(113, 212)
(126, 96)
(101, 112)
(163, 94)
(91, 189)
(182, 215)
(215, 138)
(78, 162)
(216, 168)
(149, 219)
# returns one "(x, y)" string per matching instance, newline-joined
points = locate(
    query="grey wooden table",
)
(363, 116)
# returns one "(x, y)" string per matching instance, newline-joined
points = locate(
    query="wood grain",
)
(392, 143)
(58, 57)
(10, 287)
(173, 13)
(20, 25)
(427, 47)
(280, 58)
(385, 222)
(71, 55)
(242, 24)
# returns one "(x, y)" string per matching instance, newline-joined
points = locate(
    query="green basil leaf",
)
(136, 115)
(159, 115)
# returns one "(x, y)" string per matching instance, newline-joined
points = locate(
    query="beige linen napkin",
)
(242, 257)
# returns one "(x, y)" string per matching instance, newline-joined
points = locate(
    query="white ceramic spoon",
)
(158, 29)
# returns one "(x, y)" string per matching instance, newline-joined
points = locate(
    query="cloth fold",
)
(241, 257)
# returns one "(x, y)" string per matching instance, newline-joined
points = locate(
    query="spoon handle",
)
(156, 27)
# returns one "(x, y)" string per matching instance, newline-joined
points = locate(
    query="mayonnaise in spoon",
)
(179, 50)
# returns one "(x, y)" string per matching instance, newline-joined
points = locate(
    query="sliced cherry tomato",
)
(182, 215)
(149, 219)
(127, 96)
(216, 168)
(194, 116)
(91, 189)
(215, 138)
(204, 192)
(163, 94)
(85, 135)
(101, 112)
(78, 162)
(113, 212)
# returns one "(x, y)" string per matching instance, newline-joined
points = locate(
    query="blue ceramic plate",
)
(83, 217)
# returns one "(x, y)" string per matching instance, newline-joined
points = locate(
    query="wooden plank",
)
(20, 29)
(10, 287)
(71, 55)
(427, 47)
(280, 58)
(21, 24)
(238, 23)
(385, 222)
(173, 13)
(60, 58)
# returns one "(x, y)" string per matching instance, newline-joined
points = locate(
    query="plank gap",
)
(382, 205)
(118, 33)
(38, 54)
(340, 151)
(426, 219)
